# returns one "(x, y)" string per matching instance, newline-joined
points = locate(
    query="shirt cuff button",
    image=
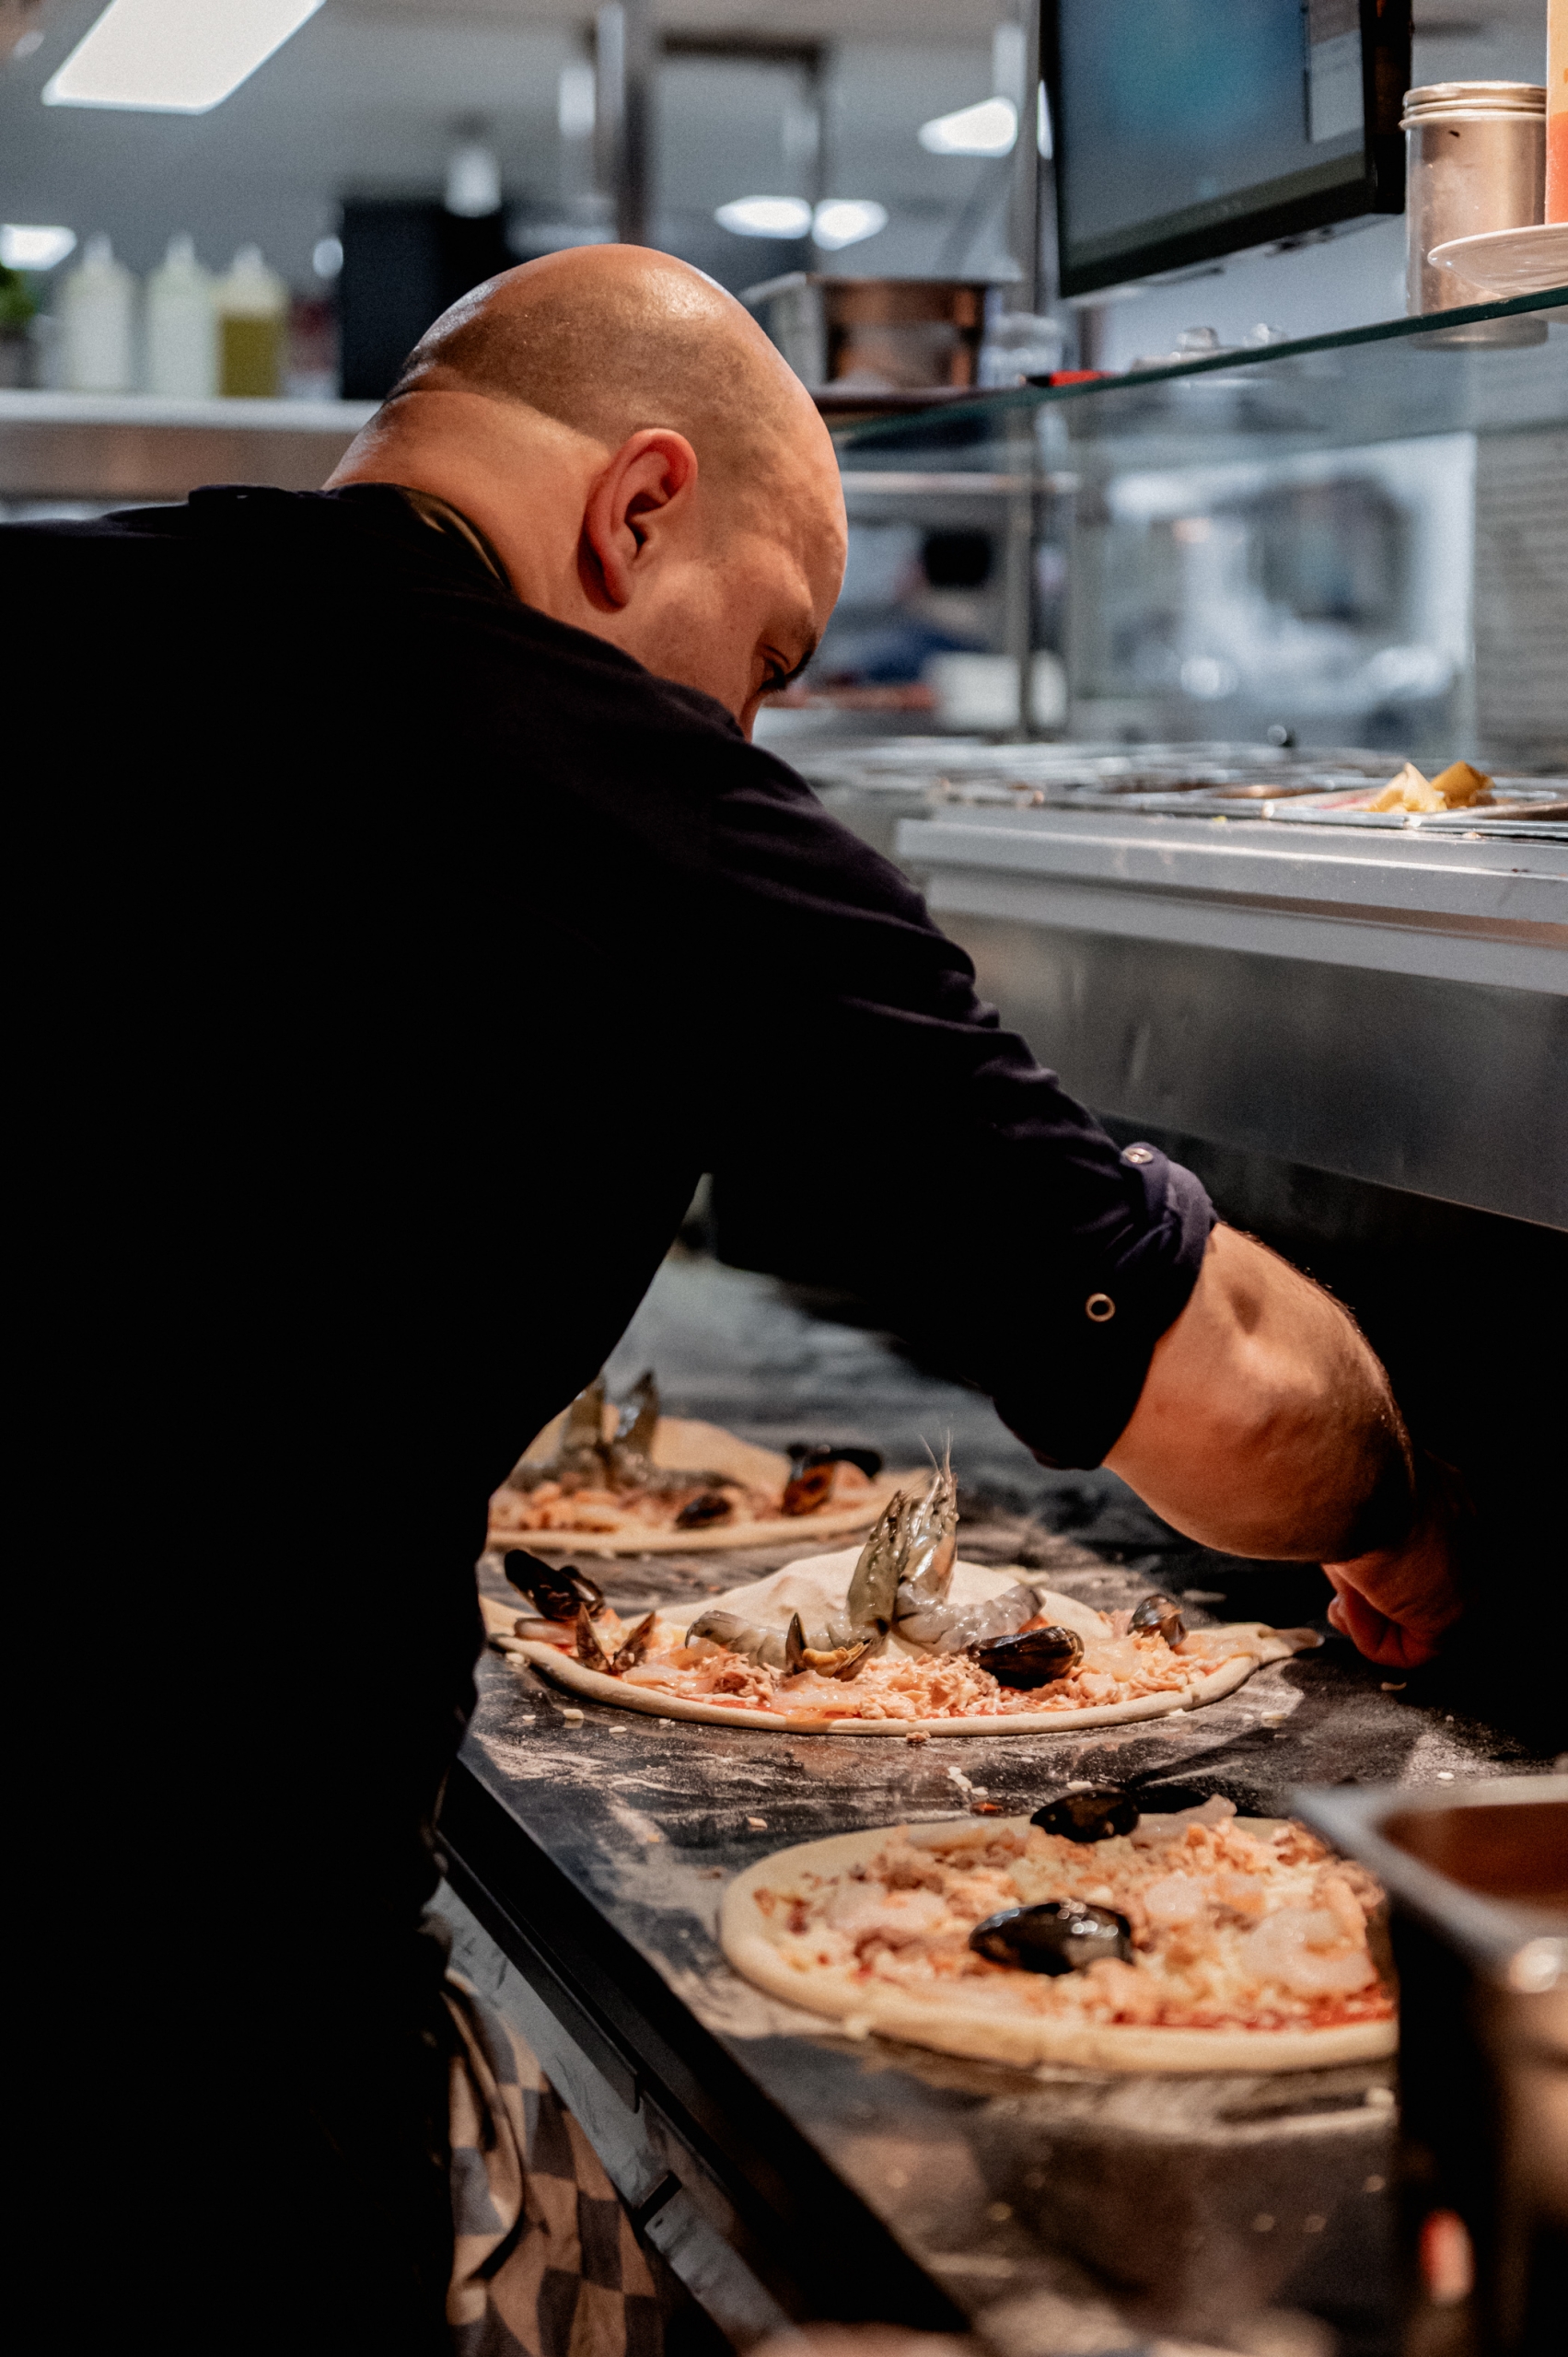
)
(1139, 1154)
(1099, 1307)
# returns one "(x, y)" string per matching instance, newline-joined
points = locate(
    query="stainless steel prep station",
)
(1388, 1006)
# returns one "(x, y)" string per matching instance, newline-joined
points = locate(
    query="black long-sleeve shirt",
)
(393, 960)
(401, 957)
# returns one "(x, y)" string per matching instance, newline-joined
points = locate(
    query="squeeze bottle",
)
(97, 308)
(183, 340)
(252, 305)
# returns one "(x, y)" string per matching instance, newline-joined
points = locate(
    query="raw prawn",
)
(622, 1466)
(838, 1649)
(927, 1546)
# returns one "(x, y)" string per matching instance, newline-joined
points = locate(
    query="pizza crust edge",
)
(595, 1686)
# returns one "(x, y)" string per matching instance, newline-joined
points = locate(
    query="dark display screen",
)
(1182, 121)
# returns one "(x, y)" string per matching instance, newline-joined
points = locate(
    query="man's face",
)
(739, 614)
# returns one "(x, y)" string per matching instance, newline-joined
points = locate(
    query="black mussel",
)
(810, 1483)
(835, 1661)
(555, 1590)
(1032, 1659)
(811, 1487)
(809, 1452)
(635, 1644)
(1091, 1813)
(712, 1506)
(1160, 1615)
(590, 1652)
(1059, 1935)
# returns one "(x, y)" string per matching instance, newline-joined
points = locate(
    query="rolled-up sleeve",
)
(872, 1126)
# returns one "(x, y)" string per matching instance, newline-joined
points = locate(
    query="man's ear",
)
(647, 486)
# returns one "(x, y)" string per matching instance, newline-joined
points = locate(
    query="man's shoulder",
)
(62, 537)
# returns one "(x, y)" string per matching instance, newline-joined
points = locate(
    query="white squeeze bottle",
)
(182, 327)
(97, 322)
(252, 305)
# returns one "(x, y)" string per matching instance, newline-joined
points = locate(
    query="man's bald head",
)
(642, 459)
(610, 339)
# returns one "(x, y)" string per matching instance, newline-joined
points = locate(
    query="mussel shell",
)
(810, 1488)
(1057, 1935)
(712, 1506)
(590, 1652)
(1163, 1615)
(554, 1589)
(635, 1644)
(1033, 1658)
(806, 1455)
(1092, 1813)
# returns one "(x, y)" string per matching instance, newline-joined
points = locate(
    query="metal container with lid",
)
(1476, 160)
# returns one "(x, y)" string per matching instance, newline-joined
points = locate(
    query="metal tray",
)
(1512, 800)
(1238, 797)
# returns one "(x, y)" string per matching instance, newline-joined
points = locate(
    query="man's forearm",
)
(1266, 1425)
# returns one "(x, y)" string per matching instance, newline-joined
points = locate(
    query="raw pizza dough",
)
(959, 2021)
(817, 1587)
(681, 1441)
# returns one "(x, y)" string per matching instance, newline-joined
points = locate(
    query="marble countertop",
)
(1061, 2210)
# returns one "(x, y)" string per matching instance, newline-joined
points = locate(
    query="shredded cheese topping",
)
(1117, 1666)
(1230, 1929)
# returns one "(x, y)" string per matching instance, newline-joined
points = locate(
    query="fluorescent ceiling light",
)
(845, 220)
(989, 129)
(765, 216)
(173, 56)
(23, 247)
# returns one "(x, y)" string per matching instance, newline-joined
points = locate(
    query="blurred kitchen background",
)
(289, 246)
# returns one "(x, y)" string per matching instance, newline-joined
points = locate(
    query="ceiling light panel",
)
(765, 216)
(845, 220)
(989, 129)
(25, 245)
(173, 56)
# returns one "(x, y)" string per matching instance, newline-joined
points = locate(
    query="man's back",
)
(399, 959)
(395, 960)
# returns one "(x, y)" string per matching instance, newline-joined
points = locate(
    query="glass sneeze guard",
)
(1397, 379)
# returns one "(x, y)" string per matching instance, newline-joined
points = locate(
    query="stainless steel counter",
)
(1389, 1006)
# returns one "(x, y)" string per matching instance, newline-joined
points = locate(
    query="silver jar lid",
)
(1439, 101)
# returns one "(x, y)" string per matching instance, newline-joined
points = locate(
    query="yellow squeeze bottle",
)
(252, 308)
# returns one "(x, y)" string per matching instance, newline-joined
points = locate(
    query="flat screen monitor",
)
(1189, 129)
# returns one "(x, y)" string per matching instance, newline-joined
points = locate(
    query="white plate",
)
(1509, 262)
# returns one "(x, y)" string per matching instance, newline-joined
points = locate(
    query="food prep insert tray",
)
(1510, 802)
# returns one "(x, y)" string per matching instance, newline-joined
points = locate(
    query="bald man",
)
(412, 924)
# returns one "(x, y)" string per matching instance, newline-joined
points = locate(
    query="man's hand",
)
(1266, 1427)
(1396, 1603)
